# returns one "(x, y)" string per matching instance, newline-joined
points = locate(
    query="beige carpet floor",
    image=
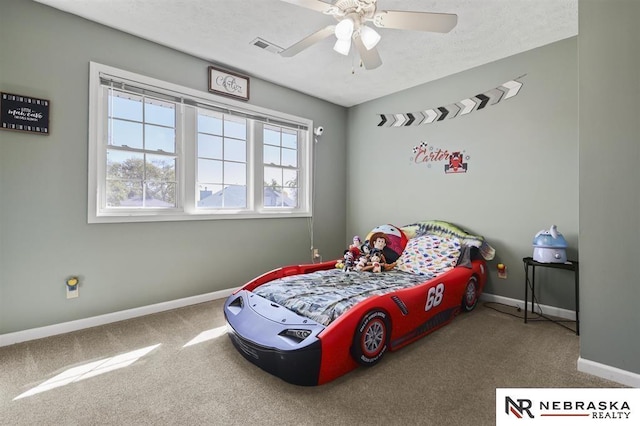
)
(92, 377)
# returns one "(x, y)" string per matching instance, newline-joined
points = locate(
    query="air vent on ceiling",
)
(265, 45)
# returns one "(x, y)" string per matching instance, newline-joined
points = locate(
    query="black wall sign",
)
(24, 114)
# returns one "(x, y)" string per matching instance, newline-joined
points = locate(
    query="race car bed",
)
(309, 324)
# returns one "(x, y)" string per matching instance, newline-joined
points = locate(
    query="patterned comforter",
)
(325, 295)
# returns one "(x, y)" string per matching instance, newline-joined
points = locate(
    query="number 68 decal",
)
(434, 296)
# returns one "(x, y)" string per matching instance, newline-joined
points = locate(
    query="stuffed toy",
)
(348, 261)
(396, 240)
(356, 242)
(377, 262)
(374, 264)
(362, 262)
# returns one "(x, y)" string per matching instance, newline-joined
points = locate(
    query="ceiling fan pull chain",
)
(353, 68)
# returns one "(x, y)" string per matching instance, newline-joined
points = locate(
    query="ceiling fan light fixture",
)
(342, 46)
(344, 29)
(369, 36)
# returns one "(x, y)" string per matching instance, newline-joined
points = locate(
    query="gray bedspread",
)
(325, 295)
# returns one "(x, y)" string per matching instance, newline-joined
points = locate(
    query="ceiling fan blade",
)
(318, 5)
(370, 58)
(308, 41)
(419, 21)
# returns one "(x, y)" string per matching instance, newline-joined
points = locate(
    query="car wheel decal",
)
(470, 299)
(371, 338)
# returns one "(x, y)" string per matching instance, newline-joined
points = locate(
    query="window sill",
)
(177, 217)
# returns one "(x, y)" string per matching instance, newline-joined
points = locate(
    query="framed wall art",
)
(227, 83)
(24, 113)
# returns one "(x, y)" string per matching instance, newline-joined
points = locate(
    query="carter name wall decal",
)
(227, 83)
(452, 161)
(474, 103)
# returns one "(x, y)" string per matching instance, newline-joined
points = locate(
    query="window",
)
(158, 151)
(222, 161)
(280, 167)
(141, 152)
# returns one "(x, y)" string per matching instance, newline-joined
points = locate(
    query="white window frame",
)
(186, 141)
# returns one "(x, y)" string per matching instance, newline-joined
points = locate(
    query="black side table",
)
(571, 265)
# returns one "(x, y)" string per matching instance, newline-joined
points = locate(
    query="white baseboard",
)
(610, 373)
(584, 365)
(66, 327)
(546, 309)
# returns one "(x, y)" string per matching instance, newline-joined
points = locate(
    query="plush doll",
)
(377, 243)
(348, 261)
(356, 242)
(375, 263)
(362, 262)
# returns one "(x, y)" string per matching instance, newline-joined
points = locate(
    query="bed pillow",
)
(429, 255)
(447, 229)
(396, 241)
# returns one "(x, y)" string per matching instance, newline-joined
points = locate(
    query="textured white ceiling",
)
(221, 31)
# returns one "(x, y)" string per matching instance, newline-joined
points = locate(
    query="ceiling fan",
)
(352, 16)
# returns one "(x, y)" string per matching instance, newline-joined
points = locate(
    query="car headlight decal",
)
(298, 335)
(237, 305)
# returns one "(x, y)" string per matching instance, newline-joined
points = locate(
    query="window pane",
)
(290, 139)
(289, 157)
(209, 146)
(160, 195)
(235, 196)
(272, 197)
(235, 128)
(125, 133)
(271, 155)
(159, 138)
(209, 171)
(290, 178)
(215, 196)
(125, 105)
(290, 197)
(272, 176)
(124, 193)
(124, 165)
(235, 150)
(158, 112)
(160, 168)
(209, 195)
(271, 136)
(235, 173)
(277, 196)
(209, 124)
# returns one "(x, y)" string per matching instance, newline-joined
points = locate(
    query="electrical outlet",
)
(502, 271)
(316, 258)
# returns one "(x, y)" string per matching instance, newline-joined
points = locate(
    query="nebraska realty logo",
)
(565, 406)
(450, 161)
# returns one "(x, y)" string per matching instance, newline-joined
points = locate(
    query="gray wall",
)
(523, 176)
(522, 173)
(44, 235)
(609, 182)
